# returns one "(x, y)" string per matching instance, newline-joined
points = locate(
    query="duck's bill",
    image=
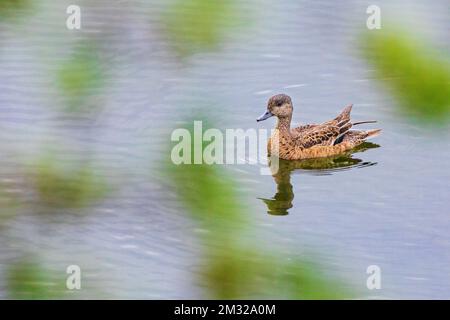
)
(265, 116)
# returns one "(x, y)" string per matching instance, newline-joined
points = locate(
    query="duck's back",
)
(324, 134)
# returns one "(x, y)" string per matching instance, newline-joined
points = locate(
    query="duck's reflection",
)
(282, 200)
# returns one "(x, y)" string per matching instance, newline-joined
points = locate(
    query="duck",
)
(327, 139)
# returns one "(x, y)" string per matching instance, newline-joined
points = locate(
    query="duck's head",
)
(279, 106)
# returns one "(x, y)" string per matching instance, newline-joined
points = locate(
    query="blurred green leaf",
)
(27, 279)
(258, 274)
(209, 195)
(199, 25)
(59, 186)
(79, 77)
(30, 279)
(418, 77)
(12, 9)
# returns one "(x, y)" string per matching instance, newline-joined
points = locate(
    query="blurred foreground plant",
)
(11, 9)
(199, 25)
(61, 186)
(79, 77)
(27, 279)
(248, 273)
(235, 269)
(418, 77)
(209, 195)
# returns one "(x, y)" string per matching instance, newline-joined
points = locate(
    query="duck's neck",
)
(284, 124)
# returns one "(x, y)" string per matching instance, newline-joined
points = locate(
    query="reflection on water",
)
(281, 202)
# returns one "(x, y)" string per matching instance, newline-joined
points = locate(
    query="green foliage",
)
(417, 76)
(28, 280)
(257, 274)
(79, 77)
(59, 186)
(10, 9)
(209, 195)
(199, 25)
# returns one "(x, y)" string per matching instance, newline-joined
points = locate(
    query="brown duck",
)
(312, 140)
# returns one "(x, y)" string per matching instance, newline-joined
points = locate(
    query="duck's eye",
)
(279, 103)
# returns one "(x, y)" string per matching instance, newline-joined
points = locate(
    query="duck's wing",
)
(320, 135)
(327, 133)
(300, 130)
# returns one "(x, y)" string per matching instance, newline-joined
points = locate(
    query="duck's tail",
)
(357, 137)
(345, 125)
(361, 122)
(372, 133)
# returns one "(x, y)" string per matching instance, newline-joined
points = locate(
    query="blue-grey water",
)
(140, 242)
